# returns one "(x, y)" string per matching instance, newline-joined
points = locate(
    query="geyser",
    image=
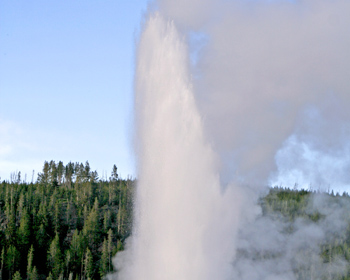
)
(272, 76)
(184, 223)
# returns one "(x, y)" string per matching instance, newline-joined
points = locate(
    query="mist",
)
(231, 97)
(266, 67)
(179, 204)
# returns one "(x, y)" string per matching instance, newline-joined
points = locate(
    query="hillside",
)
(69, 224)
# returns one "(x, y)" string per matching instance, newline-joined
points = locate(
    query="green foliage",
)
(54, 256)
(70, 223)
(88, 264)
(104, 261)
(50, 277)
(12, 259)
(17, 276)
(31, 272)
(24, 230)
(56, 228)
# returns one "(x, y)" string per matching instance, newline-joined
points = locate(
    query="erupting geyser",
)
(183, 229)
(273, 76)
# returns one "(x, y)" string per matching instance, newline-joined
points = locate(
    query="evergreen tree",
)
(60, 171)
(93, 176)
(12, 259)
(42, 216)
(20, 205)
(104, 262)
(10, 230)
(68, 261)
(110, 248)
(106, 220)
(68, 175)
(68, 213)
(53, 173)
(57, 217)
(30, 262)
(17, 276)
(41, 236)
(34, 275)
(24, 231)
(88, 264)
(31, 270)
(91, 229)
(77, 249)
(54, 257)
(114, 175)
(86, 171)
(43, 178)
(50, 277)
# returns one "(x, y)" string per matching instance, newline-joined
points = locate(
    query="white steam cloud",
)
(265, 97)
(264, 66)
(181, 214)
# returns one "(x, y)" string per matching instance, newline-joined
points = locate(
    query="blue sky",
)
(66, 78)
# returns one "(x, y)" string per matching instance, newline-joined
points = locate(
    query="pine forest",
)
(67, 225)
(70, 223)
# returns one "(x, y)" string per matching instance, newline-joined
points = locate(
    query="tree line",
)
(70, 223)
(66, 225)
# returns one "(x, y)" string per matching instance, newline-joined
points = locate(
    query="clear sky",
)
(66, 79)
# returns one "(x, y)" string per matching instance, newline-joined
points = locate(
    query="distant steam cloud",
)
(264, 65)
(266, 97)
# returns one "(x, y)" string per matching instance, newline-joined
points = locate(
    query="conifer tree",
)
(20, 205)
(10, 230)
(96, 205)
(43, 178)
(17, 276)
(68, 174)
(53, 174)
(68, 213)
(104, 262)
(12, 259)
(106, 220)
(110, 248)
(88, 264)
(114, 175)
(57, 217)
(54, 257)
(91, 228)
(34, 275)
(24, 230)
(60, 170)
(50, 276)
(77, 249)
(93, 176)
(31, 270)
(30, 262)
(41, 236)
(86, 171)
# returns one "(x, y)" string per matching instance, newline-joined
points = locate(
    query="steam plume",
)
(268, 78)
(181, 215)
(265, 67)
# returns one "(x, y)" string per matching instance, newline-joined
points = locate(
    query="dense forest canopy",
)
(66, 225)
(70, 223)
